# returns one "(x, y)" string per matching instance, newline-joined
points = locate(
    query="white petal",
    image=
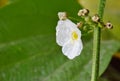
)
(68, 27)
(62, 33)
(72, 49)
(63, 30)
(65, 23)
(62, 37)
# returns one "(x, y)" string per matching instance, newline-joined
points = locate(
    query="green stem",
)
(96, 53)
(96, 44)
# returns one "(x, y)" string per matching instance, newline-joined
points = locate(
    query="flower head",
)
(62, 15)
(95, 18)
(80, 24)
(83, 12)
(69, 37)
(109, 25)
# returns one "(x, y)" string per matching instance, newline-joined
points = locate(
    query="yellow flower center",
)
(74, 35)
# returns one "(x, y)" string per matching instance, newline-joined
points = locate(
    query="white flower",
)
(69, 37)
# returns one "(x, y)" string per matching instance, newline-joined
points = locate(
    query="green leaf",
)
(28, 51)
(80, 68)
(49, 64)
(24, 18)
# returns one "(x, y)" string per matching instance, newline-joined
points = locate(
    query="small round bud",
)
(95, 18)
(62, 15)
(80, 24)
(83, 12)
(109, 25)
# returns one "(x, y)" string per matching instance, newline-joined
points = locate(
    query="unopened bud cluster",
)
(84, 13)
(87, 22)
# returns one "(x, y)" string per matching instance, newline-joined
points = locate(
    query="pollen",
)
(74, 35)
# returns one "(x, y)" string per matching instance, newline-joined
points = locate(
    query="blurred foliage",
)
(113, 71)
(28, 51)
(24, 18)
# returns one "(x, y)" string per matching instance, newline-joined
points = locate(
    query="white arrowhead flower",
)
(69, 37)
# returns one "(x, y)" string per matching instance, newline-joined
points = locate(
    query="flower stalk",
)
(96, 44)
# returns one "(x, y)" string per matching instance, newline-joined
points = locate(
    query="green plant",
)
(28, 51)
